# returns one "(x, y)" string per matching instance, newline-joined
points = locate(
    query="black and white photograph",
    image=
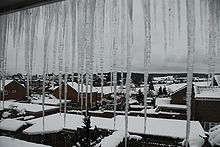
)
(110, 73)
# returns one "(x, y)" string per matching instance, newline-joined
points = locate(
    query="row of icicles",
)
(84, 31)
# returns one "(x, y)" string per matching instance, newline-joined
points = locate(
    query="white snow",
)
(202, 92)
(72, 122)
(113, 140)
(137, 106)
(136, 137)
(175, 87)
(74, 85)
(6, 83)
(160, 101)
(155, 126)
(50, 101)
(214, 135)
(106, 90)
(160, 127)
(12, 142)
(11, 124)
(28, 107)
(176, 106)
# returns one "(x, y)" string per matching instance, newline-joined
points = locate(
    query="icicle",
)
(155, 13)
(101, 5)
(218, 26)
(129, 47)
(170, 22)
(33, 27)
(55, 43)
(88, 47)
(147, 52)
(61, 46)
(27, 48)
(179, 16)
(3, 56)
(201, 20)
(92, 12)
(123, 39)
(164, 24)
(173, 21)
(66, 36)
(81, 48)
(73, 18)
(46, 24)
(190, 7)
(212, 39)
(115, 48)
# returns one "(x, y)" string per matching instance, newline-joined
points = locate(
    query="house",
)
(205, 106)
(14, 90)
(177, 93)
(74, 95)
(216, 80)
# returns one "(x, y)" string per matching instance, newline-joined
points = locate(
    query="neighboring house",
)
(72, 94)
(177, 93)
(205, 106)
(216, 80)
(14, 90)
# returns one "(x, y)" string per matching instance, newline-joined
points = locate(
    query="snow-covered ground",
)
(27, 107)
(12, 142)
(214, 135)
(11, 124)
(155, 126)
(50, 101)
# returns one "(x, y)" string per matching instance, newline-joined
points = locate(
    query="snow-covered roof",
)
(217, 79)
(113, 140)
(11, 124)
(72, 122)
(6, 82)
(27, 107)
(175, 87)
(174, 106)
(12, 142)
(203, 92)
(74, 85)
(155, 126)
(106, 89)
(160, 127)
(214, 136)
(161, 101)
(50, 101)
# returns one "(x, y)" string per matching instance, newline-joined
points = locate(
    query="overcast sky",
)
(173, 60)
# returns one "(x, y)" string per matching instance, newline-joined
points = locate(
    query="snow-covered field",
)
(12, 142)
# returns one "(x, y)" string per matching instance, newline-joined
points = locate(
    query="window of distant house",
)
(13, 91)
(6, 92)
(209, 125)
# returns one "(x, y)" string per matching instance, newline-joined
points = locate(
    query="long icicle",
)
(27, 48)
(92, 12)
(55, 43)
(147, 52)
(66, 37)
(123, 40)
(73, 19)
(47, 23)
(61, 46)
(87, 47)
(190, 8)
(179, 16)
(101, 37)
(115, 48)
(164, 24)
(129, 47)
